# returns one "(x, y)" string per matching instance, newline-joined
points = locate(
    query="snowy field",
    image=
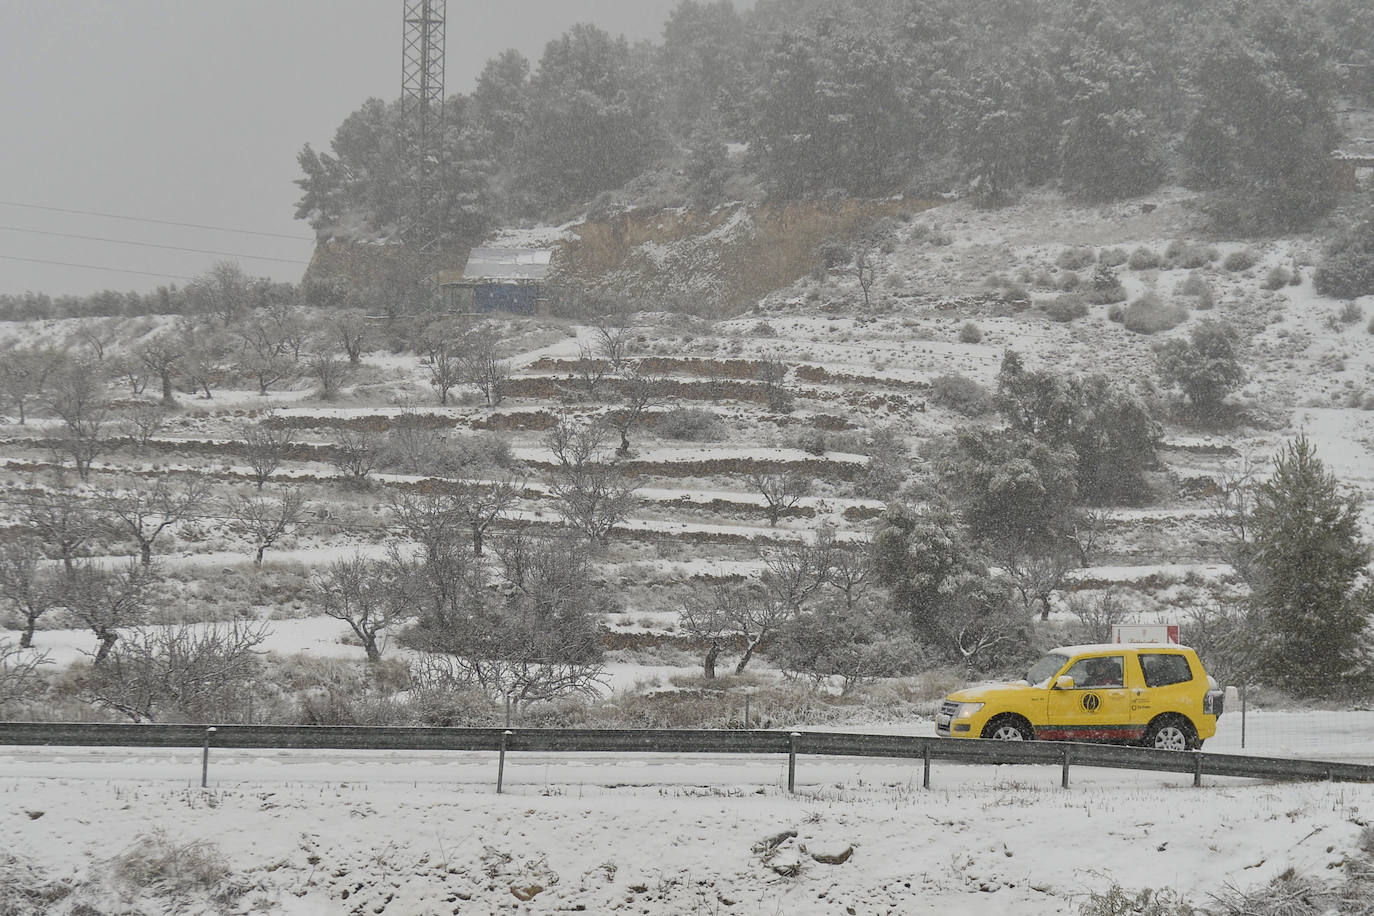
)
(426, 833)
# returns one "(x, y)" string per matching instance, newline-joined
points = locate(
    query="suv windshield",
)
(1045, 669)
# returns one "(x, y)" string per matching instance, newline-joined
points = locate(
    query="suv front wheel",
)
(1171, 733)
(1008, 728)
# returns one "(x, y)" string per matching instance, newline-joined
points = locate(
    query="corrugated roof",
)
(508, 264)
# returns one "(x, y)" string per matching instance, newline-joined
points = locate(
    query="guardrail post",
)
(1197, 769)
(205, 759)
(1064, 779)
(746, 712)
(501, 767)
(792, 761)
(925, 758)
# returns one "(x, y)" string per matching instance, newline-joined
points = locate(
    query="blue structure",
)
(505, 279)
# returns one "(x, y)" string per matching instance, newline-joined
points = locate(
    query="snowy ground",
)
(419, 834)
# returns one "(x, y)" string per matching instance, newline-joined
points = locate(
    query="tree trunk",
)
(257, 560)
(26, 640)
(477, 540)
(107, 641)
(145, 553)
(748, 654)
(710, 664)
(167, 397)
(374, 654)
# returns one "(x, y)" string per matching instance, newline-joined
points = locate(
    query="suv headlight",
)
(964, 710)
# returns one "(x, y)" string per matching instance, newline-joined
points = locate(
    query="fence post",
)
(1242, 716)
(746, 712)
(792, 761)
(1064, 780)
(205, 759)
(925, 758)
(501, 766)
(1197, 769)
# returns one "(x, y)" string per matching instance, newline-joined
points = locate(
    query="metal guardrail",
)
(678, 741)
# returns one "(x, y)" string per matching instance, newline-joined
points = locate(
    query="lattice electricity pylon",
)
(422, 73)
(422, 96)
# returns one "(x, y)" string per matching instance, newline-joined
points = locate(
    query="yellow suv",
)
(1156, 695)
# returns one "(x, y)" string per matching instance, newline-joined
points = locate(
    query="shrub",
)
(1143, 259)
(970, 333)
(1206, 366)
(1189, 255)
(1116, 313)
(1150, 314)
(1112, 257)
(1066, 308)
(813, 442)
(1106, 288)
(960, 394)
(1277, 278)
(1075, 258)
(691, 424)
(1350, 313)
(1015, 292)
(1237, 261)
(1117, 901)
(1193, 285)
(1068, 281)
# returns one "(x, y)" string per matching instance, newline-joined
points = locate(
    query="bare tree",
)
(772, 372)
(24, 375)
(18, 672)
(1037, 575)
(60, 517)
(264, 520)
(710, 620)
(160, 355)
(144, 421)
(479, 503)
(754, 621)
(351, 332)
(329, 371)
(866, 270)
(593, 494)
(367, 595)
(442, 345)
(79, 398)
(1089, 528)
(205, 350)
(638, 392)
(144, 512)
(357, 453)
(202, 672)
(224, 291)
(613, 340)
(535, 640)
(780, 491)
(1100, 614)
(266, 446)
(30, 587)
(107, 600)
(591, 367)
(265, 350)
(96, 335)
(480, 366)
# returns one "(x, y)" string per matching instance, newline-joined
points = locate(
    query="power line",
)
(160, 222)
(118, 270)
(97, 238)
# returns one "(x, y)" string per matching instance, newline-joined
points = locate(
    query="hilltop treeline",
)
(809, 98)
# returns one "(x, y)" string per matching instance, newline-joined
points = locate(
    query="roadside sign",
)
(1145, 633)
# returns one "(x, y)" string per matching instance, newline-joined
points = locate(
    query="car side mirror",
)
(1063, 682)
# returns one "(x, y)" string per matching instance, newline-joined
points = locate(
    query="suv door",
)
(1168, 677)
(1099, 705)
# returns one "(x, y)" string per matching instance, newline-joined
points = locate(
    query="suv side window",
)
(1163, 669)
(1097, 672)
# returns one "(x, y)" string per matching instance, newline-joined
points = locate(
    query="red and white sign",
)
(1151, 633)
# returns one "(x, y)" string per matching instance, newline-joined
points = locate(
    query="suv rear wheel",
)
(1171, 733)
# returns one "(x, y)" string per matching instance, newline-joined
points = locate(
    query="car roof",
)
(1118, 646)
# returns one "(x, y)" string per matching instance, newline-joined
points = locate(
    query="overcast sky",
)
(192, 111)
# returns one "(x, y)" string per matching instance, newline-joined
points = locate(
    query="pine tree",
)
(1307, 562)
